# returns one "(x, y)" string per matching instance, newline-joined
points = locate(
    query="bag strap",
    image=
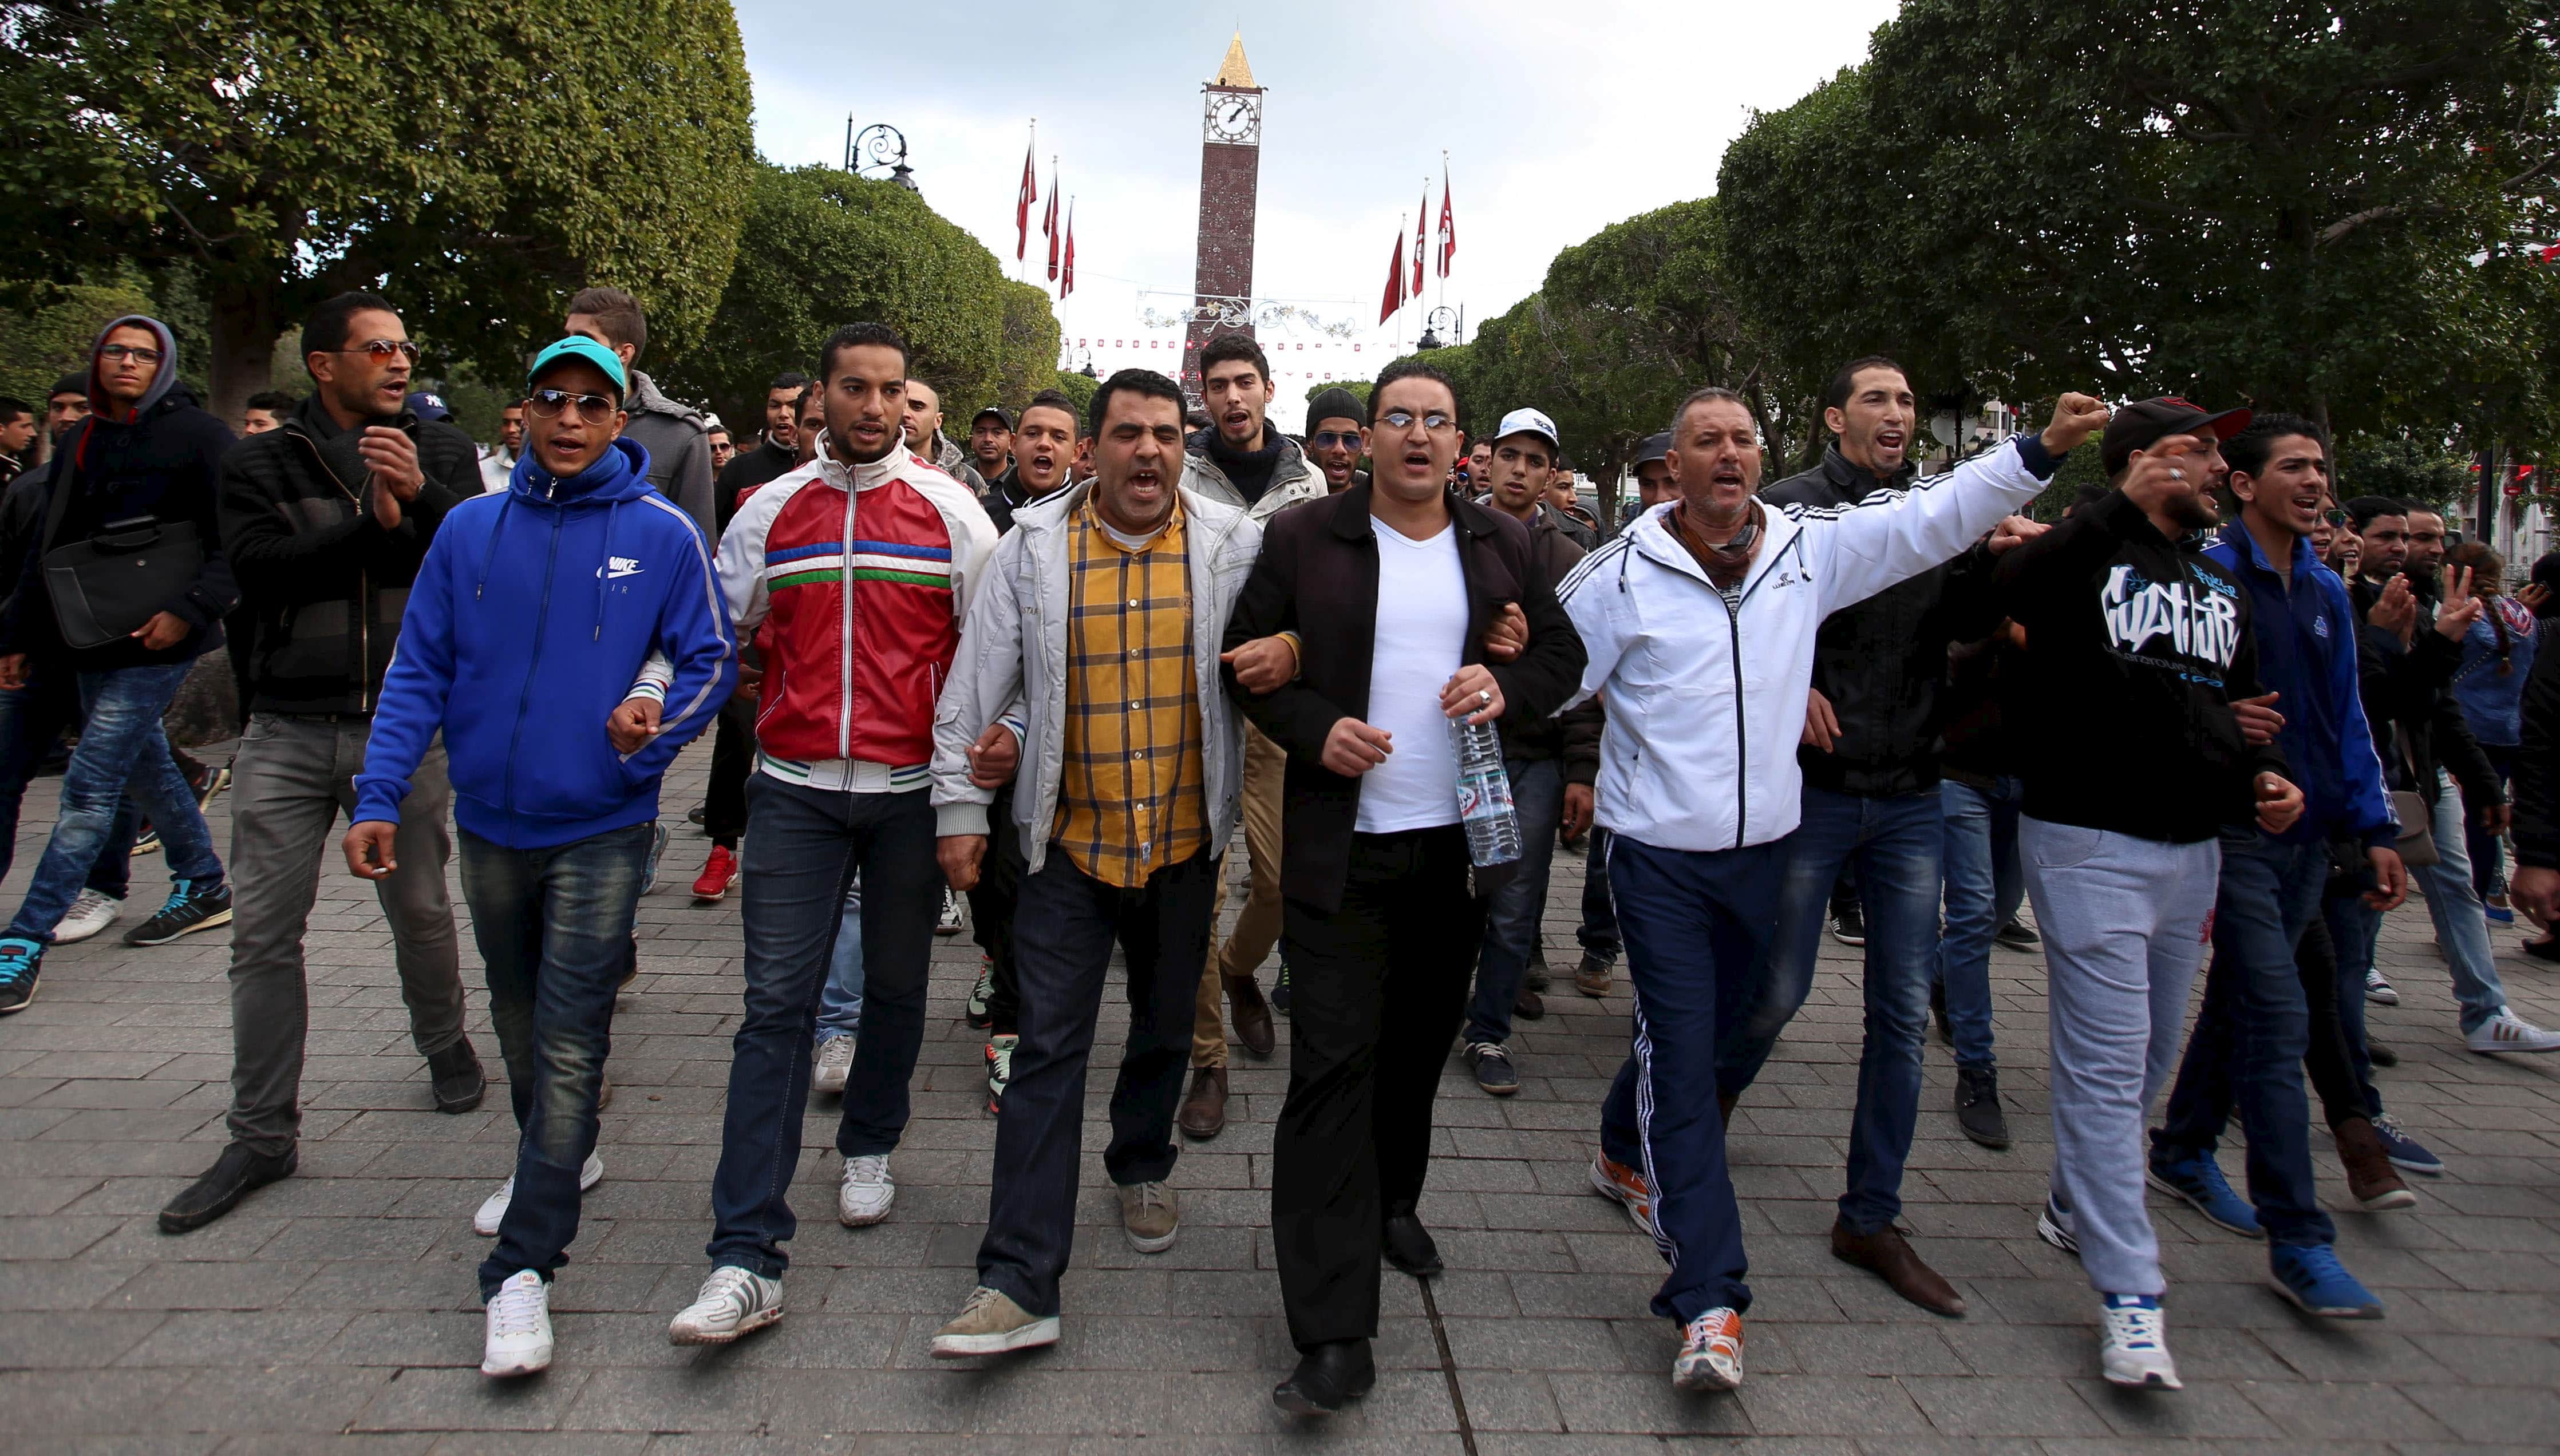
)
(66, 481)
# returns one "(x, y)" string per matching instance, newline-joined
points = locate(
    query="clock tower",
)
(1231, 175)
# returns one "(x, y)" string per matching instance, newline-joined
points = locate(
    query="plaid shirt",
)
(1130, 799)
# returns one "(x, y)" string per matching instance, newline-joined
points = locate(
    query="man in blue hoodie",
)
(146, 461)
(555, 760)
(2250, 1039)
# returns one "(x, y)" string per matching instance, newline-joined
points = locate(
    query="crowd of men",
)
(1057, 668)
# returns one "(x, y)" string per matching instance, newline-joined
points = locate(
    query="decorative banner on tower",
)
(1241, 313)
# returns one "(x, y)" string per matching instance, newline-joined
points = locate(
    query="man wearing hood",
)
(1240, 461)
(532, 618)
(146, 458)
(925, 437)
(325, 519)
(676, 439)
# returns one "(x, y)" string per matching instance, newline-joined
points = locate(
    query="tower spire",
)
(1234, 70)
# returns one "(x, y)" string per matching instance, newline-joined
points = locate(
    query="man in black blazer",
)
(1372, 611)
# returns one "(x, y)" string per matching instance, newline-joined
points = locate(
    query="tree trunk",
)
(243, 345)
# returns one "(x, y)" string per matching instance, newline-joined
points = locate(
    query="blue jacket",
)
(2307, 656)
(528, 625)
(2490, 684)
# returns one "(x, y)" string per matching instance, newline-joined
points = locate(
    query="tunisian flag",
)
(1066, 270)
(1049, 222)
(1447, 226)
(1394, 298)
(1422, 224)
(1023, 200)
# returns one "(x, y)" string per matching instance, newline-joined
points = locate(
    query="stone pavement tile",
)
(1936, 1446)
(378, 1284)
(465, 1399)
(2212, 1407)
(108, 1092)
(1532, 1345)
(71, 1340)
(545, 1443)
(2495, 1359)
(81, 1403)
(2351, 1350)
(2531, 1314)
(285, 1398)
(713, 1395)
(62, 1284)
(24, 1196)
(407, 1338)
(1993, 1406)
(1847, 1350)
(176, 1286)
(53, 1237)
(137, 1236)
(1512, 1401)
(1827, 1405)
(2477, 1414)
(2344, 1411)
(1634, 1404)
(219, 1338)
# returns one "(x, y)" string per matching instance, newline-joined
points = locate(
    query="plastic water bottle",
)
(1484, 794)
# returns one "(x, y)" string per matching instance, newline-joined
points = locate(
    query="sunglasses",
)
(382, 349)
(592, 409)
(128, 351)
(1435, 421)
(2335, 518)
(1329, 440)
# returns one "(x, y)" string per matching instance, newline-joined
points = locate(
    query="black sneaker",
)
(21, 962)
(1978, 1107)
(1280, 992)
(1938, 1012)
(1492, 1068)
(456, 1076)
(241, 1171)
(146, 840)
(2016, 936)
(189, 909)
(1848, 922)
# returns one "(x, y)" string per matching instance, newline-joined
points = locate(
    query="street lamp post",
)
(878, 148)
(1432, 323)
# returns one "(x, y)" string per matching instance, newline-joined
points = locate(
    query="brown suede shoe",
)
(2374, 1184)
(1203, 1114)
(1887, 1253)
(1250, 1013)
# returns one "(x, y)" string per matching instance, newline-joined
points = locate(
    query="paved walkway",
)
(335, 1311)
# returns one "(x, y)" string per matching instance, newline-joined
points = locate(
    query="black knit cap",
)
(1335, 404)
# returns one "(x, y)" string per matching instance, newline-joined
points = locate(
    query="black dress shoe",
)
(1329, 1377)
(1408, 1246)
(457, 1078)
(238, 1171)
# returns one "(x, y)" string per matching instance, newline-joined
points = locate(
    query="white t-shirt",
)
(1421, 638)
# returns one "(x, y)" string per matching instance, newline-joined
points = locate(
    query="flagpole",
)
(1022, 265)
(1443, 268)
(1399, 308)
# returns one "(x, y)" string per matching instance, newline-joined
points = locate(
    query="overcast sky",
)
(1558, 119)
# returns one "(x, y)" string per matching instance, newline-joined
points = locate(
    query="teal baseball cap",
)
(578, 346)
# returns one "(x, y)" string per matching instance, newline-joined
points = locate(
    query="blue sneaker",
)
(21, 962)
(2199, 1179)
(2309, 1275)
(2405, 1152)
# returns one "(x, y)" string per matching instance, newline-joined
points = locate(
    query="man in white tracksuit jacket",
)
(1699, 621)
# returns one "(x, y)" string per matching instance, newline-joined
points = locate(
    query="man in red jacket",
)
(856, 567)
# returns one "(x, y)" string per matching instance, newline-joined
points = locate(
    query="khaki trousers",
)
(1257, 926)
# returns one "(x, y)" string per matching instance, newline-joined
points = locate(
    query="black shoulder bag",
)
(105, 587)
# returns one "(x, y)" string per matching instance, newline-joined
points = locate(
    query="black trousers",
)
(1069, 921)
(732, 760)
(1378, 988)
(2333, 1078)
(992, 907)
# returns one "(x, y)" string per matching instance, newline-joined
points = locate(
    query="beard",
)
(2195, 512)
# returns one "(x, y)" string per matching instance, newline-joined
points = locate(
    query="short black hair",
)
(70, 383)
(2363, 509)
(11, 408)
(617, 313)
(1143, 382)
(273, 401)
(1836, 394)
(2248, 451)
(855, 336)
(1708, 395)
(325, 329)
(789, 379)
(1054, 399)
(1412, 367)
(1229, 348)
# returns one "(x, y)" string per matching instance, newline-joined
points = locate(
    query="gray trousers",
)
(292, 777)
(2125, 922)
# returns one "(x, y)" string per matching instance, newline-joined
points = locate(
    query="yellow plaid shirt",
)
(1130, 796)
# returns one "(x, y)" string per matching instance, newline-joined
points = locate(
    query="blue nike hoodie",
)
(528, 625)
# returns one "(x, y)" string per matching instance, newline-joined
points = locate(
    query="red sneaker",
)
(712, 885)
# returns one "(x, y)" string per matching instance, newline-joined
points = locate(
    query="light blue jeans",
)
(2462, 924)
(840, 1006)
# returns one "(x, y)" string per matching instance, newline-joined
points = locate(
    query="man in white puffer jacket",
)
(1699, 622)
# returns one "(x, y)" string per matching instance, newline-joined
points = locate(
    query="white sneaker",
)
(90, 912)
(731, 1303)
(953, 918)
(2133, 1343)
(2505, 1032)
(835, 1064)
(2056, 1227)
(2377, 989)
(519, 1327)
(493, 1209)
(866, 1193)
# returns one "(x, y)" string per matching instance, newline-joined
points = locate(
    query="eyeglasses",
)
(2335, 518)
(1434, 422)
(128, 351)
(593, 409)
(1330, 440)
(382, 349)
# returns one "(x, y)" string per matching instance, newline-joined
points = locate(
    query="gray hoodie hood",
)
(161, 382)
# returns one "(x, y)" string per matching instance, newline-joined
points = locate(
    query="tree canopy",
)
(474, 158)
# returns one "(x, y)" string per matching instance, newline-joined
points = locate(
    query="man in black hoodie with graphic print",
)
(143, 461)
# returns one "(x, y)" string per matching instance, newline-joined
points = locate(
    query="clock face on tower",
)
(1234, 118)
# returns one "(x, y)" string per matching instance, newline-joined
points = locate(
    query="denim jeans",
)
(1514, 914)
(1895, 845)
(1069, 922)
(121, 752)
(32, 720)
(2246, 1050)
(2487, 855)
(803, 847)
(840, 1006)
(554, 927)
(1984, 889)
(2462, 922)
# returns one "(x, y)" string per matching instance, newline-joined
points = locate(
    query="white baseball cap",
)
(1529, 422)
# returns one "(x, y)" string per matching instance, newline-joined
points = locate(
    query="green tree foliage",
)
(472, 158)
(2404, 467)
(1078, 387)
(41, 346)
(1360, 388)
(822, 248)
(2322, 206)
